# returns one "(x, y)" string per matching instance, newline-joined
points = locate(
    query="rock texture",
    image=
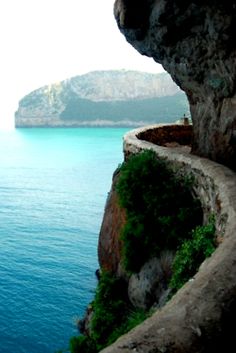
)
(109, 245)
(200, 317)
(149, 287)
(195, 43)
(104, 98)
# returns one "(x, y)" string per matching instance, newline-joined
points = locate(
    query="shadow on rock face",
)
(195, 43)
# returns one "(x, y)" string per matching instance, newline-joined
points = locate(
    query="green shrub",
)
(161, 214)
(110, 308)
(159, 205)
(192, 253)
(113, 315)
(134, 318)
(82, 344)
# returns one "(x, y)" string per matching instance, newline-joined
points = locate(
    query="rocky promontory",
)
(104, 98)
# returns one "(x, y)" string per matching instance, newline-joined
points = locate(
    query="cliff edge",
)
(198, 318)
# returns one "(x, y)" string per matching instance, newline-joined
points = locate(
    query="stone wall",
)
(172, 142)
(198, 318)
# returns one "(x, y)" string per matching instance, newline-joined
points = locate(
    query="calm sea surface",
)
(53, 188)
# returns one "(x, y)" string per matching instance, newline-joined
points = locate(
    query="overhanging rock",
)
(195, 43)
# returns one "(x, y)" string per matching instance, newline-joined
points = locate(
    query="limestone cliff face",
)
(195, 43)
(104, 98)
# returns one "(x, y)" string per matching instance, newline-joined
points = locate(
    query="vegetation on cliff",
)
(161, 214)
(192, 253)
(104, 98)
(161, 211)
(113, 315)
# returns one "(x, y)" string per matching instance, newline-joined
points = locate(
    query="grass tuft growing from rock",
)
(192, 253)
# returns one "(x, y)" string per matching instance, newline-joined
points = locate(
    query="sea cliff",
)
(198, 317)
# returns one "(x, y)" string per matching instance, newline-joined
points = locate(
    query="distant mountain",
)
(104, 98)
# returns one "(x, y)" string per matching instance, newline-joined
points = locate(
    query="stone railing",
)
(197, 318)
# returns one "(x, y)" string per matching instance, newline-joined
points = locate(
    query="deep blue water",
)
(53, 188)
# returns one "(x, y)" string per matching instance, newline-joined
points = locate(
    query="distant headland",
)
(104, 98)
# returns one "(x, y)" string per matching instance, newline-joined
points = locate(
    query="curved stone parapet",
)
(198, 318)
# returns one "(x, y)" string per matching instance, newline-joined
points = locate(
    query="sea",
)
(54, 184)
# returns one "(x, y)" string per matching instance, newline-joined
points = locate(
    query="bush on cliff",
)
(161, 211)
(161, 214)
(113, 315)
(82, 344)
(192, 253)
(110, 307)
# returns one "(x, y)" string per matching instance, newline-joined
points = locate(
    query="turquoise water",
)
(53, 188)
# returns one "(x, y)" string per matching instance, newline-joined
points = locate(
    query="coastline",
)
(51, 123)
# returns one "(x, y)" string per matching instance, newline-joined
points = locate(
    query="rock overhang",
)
(194, 41)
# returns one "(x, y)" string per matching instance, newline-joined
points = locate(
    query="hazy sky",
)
(45, 41)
